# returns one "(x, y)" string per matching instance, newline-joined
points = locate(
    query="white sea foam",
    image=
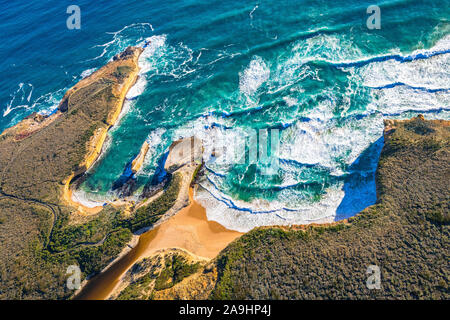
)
(394, 101)
(290, 101)
(156, 148)
(138, 88)
(417, 85)
(164, 59)
(91, 199)
(87, 73)
(222, 146)
(253, 76)
(315, 142)
(85, 199)
(346, 142)
(22, 99)
(321, 141)
(145, 65)
(245, 216)
(305, 144)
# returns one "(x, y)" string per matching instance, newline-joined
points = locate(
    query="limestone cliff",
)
(405, 234)
(39, 159)
(182, 152)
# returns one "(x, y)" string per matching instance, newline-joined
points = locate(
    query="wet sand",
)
(189, 229)
(69, 199)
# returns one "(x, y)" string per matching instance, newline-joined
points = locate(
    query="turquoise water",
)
(311, 69)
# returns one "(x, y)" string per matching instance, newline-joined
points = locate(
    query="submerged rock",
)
(126, 184)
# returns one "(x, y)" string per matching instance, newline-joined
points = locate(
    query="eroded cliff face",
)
(137, 162)
(39, 157)
(49, 150)
(152, 213)
(406, 234)
(184, 152)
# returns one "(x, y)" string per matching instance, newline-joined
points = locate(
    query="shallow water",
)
(311, 69)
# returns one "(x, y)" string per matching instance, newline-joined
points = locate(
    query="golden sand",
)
(189, 229)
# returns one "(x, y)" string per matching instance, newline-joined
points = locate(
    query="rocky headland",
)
(44, 230)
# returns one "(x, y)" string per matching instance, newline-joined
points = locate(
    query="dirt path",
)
(50, 206)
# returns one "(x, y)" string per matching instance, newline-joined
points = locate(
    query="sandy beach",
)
(97, 141)
(189, 229)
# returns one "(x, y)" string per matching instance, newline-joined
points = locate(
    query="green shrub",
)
(148, 215)
(176, 269)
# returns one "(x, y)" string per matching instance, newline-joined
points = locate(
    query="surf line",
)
(99, 140)
(396, 57)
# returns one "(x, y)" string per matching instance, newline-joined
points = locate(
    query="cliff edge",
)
(405, 234)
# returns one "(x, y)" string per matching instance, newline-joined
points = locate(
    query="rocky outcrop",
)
(118, 76)
(113, 71)
(418, 125)
(196, 287)
(29, 125)
(183, 152)
(136, 164)
(40, 159)
(130, 51)
(155, 274)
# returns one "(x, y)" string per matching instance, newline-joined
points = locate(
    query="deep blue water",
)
(311, 69)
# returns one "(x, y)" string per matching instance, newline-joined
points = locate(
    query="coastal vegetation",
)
(38, 237)
(175, 270)
(149, 214)
(157, 273)
(406, 234)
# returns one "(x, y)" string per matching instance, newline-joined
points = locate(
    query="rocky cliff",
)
(405, 235)
(39, 158)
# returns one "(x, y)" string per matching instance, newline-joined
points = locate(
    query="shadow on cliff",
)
(359, 184)
(128, 182)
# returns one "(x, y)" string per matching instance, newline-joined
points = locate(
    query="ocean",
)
(311, 71)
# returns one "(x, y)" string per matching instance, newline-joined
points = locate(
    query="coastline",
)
(325, 144)
(129, 277)
(184, 227)
(97, 141)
